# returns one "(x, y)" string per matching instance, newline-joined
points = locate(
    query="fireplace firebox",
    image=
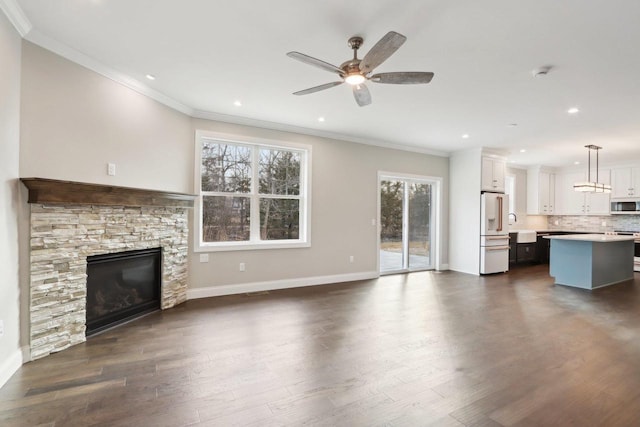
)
(122, 286)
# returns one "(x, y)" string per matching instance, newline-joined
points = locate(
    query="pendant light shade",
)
(592, 186)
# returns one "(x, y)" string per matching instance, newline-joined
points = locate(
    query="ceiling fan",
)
(356, 71)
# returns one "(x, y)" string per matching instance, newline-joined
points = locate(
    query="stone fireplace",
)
(70, 221)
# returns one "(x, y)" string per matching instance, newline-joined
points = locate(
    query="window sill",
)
(251, 246)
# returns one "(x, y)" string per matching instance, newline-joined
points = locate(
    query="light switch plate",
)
(204, 257)
(1, 328)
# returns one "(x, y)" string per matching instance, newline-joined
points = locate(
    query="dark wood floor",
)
(428, 348)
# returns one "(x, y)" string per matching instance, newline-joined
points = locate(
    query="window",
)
(253, 194)
(510, 190)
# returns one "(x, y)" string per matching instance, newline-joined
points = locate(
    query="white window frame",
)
(510, 190)
(304, 239)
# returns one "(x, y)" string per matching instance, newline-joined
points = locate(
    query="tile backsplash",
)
(594, 223)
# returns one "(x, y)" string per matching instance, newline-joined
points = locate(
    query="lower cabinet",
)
(543, 247)
(526, 252)
(513, 237)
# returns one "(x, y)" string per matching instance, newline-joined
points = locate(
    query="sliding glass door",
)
(406, 224)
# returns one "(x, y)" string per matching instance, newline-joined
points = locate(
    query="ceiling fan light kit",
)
(356, 71)
(355, 79)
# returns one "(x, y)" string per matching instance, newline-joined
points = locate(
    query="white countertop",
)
(592, 237)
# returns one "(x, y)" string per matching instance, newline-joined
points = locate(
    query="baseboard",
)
(443, 267)
(241, 288)
(10, 366)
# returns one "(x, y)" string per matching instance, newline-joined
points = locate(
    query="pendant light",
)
(592, 186)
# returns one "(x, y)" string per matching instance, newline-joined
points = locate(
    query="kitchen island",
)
(591, 261)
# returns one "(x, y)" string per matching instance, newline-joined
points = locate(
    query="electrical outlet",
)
(111, 169)
(351, 259)
(604, 223)
(1, 328)
(242, 266)
(373, 221)
(204, 257)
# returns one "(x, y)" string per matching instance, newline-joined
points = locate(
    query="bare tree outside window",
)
(391, 195)
(226, 219)
(279, 175)
(225, 168)
(279, 172)
(419, 219)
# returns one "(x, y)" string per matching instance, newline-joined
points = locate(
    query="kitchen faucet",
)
(515, 218)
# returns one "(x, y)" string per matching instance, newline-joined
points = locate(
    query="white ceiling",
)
(207, 54)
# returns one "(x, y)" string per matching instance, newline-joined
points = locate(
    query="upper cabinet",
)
(573, 202)
(541, 192)
(493, 174)
(625, 183)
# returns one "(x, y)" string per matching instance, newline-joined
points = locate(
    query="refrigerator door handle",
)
(496, 248)
(499, 213)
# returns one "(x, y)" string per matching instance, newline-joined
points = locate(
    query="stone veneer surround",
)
(62, 236)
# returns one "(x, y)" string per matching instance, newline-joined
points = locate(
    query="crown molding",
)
(16, 16)
(46, 42)
(263, 124)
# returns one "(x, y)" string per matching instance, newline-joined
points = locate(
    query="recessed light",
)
(150, 77)
(576, 163)
(522, 150)
(465, 136)
(321, 119)
(573, 110)
(237, 103)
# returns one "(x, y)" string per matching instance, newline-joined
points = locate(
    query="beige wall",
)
(344, 201)
(75, 121)
(10, 356)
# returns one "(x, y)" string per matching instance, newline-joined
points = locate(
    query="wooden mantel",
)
(42, 190)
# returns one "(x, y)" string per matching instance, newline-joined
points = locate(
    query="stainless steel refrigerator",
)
(494, 233)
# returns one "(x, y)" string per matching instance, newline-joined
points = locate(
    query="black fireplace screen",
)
(122, 286)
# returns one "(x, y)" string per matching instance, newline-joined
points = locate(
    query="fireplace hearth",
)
(122, 286)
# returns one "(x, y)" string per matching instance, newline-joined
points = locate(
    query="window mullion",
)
(255, 199)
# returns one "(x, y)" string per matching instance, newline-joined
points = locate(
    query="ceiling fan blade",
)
(315, 62)
(402, 78)
(317, 88)
(361, 94)
(382, 50)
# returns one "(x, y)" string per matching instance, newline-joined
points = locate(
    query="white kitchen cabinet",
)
(493, 174)
(573, 202)
(625, 182)
(541, 192)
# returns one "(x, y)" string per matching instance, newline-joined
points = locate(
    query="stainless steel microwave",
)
(625, 207)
